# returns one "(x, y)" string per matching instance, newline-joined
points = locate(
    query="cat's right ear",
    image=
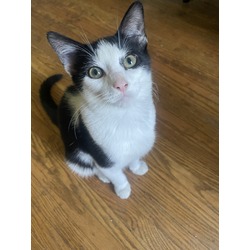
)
(66, 50)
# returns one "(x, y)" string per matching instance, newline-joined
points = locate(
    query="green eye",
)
(129, 61)
(95, 73)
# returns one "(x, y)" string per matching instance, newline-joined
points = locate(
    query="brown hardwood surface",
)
(173, 206)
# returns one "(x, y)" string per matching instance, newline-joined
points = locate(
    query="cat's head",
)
(115, 68)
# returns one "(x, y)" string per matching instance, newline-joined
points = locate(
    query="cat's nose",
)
(121, 85)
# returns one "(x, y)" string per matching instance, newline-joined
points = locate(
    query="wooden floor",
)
(175, 205)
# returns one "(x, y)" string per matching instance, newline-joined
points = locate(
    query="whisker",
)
(83, 35)
(125, 40)
(156, 91)
(87, 43)
(74, 119)
(118, 33)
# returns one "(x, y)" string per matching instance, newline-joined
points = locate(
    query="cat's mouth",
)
(125, 99)
(120, 99)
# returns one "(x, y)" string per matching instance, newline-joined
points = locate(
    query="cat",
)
(107, 116)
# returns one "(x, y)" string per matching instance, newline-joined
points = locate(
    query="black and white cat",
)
(107, 117)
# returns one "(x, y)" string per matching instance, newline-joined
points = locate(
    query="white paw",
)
(124, 192)
(140, 168)
(102, 177)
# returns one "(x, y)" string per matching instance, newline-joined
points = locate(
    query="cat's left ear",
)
(132, 25)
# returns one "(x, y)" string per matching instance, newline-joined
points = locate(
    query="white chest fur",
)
(124, 133)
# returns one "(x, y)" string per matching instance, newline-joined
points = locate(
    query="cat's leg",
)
(118, 179)
(101, 176)
(138, 167)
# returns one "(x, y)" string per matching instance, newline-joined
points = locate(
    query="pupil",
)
(95, 72)
(129, 61)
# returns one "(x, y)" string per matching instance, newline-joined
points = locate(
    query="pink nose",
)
(121, 85)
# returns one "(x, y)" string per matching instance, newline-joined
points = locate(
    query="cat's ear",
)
(132, 24)
(66, 50)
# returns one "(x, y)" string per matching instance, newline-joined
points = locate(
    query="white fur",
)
(123, 126)
(139, 167)
(63, 50)
(124, 129)
(84, 172)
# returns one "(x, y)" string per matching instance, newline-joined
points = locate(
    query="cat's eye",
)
(95, 72)
(130, 61)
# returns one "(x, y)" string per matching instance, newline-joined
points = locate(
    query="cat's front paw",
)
(139, 168)
(123, 192)
(102, 177)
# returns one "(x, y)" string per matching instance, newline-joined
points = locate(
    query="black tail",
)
(48, 103)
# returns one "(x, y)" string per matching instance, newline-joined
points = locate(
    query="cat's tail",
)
(45, 96)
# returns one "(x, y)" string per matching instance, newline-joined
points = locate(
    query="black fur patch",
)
(78, 138)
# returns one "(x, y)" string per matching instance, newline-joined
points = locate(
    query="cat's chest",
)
(123, 134)
(115, 124)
